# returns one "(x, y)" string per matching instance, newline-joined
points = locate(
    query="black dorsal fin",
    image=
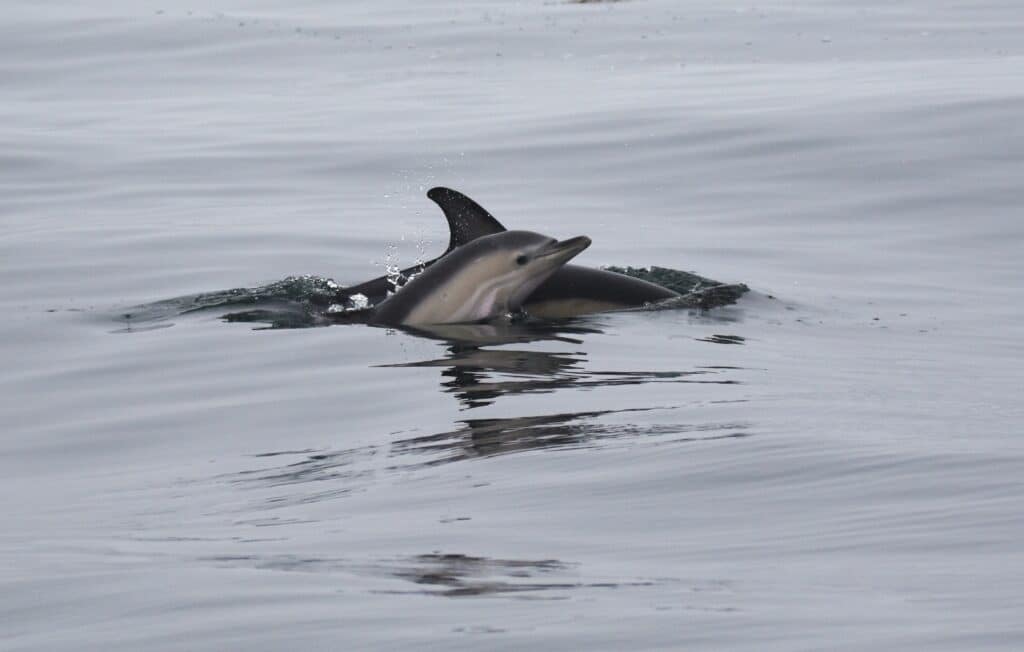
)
(467, 220)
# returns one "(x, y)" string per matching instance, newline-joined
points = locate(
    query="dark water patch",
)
(458, 575)
(441, 574)
(723, 339)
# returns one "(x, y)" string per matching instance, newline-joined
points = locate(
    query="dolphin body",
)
(567, 291)
(484, 279)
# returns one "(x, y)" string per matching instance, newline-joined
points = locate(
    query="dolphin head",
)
(523, 260)
(483, 279)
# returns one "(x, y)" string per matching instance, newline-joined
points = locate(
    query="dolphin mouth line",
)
(569, 248)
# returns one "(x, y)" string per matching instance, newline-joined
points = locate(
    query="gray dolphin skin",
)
(486, 278)
(570, 291)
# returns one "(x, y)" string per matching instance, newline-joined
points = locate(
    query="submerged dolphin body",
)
(569, 291)
(489, 277)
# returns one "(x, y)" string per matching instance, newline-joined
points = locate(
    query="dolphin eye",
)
(522, 259)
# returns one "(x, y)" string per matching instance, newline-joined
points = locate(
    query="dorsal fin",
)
(467, 220)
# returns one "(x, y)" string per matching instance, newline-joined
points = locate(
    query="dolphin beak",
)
(566, 249)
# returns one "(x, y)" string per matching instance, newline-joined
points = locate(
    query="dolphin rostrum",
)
(488, 277)
(569, 291)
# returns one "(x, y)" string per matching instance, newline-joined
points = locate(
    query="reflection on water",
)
(313, 477)
(450, 574)
(477, 438)
(515, 331)
(478, 376)
(314, 467)
(723, 339)
(479, 364)
(309, 477)
(465, 373)
(455, 575)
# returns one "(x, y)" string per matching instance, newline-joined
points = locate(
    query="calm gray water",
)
(847, 476)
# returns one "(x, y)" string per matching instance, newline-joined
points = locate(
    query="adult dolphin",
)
(569, 291)
(484, 279)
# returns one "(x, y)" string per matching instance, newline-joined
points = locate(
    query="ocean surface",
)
(836, 462)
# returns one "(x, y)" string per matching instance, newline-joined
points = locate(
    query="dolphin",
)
(572, 290)
(488, 277)
(569, 291)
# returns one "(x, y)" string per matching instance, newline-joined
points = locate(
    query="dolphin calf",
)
(487, 277)
(568, 291)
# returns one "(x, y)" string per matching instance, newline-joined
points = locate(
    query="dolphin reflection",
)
(302, 475)
(478, 376)
(478, 370)
(490, 437)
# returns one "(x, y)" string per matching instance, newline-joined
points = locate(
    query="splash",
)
(353, 303)
(396, 278)
(392, 271)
